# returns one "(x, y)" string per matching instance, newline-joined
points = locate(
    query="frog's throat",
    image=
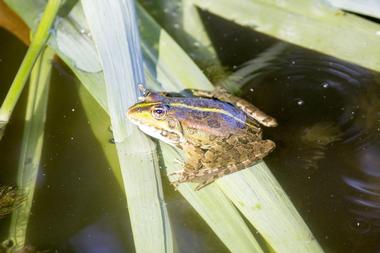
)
(167, 136)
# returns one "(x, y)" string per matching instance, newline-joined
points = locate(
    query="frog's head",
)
(156, 119)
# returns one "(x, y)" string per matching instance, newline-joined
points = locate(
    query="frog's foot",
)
(181, 179)
(205, 183)
(182, 176)
(207, 177)
(179, 162)
(176, 173)
(186, 168)
(175, 184)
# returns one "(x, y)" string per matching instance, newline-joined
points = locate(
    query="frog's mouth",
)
(161, 134)
(169, 137)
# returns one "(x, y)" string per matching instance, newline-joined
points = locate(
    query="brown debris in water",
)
(10, 199)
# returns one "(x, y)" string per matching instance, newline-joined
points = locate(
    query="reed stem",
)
(39, 40)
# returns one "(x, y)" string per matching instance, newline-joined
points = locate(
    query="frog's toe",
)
(179, 162)
(205, 183)
(181, 177)
(176, 173)
(175, 184)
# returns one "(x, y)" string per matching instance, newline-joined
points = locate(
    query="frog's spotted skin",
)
(218, 132)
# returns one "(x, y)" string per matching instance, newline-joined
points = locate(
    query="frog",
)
(218, 132)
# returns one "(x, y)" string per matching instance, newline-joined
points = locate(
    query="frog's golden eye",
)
(159, 112)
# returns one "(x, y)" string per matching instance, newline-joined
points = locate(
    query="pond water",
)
(328, 143)
(327, 156)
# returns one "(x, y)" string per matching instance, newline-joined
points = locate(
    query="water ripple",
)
(329, 122)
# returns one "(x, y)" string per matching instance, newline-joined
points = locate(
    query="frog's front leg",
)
(193, 156)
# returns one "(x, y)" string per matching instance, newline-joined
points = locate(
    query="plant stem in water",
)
(38, 42)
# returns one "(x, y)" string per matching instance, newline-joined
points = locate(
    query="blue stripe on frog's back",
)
(233, 117)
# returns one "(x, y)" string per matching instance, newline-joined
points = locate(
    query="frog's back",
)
(208, 116)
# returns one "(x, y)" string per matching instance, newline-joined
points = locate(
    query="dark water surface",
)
(328, 143)
(73, 211)
(327, 157)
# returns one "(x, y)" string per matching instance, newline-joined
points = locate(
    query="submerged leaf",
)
(312, 24)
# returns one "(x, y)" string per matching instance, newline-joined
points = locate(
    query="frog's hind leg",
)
(208, 175)
(211, 175)
(218, 173)
(251, 110)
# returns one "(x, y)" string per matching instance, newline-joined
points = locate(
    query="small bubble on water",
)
(360, 226)
(300, 102)
(293, 62)
(325, 85)
(251, 90)
(84, 31)
(196, 44)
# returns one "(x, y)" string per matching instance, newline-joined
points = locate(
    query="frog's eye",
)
(159, 112)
